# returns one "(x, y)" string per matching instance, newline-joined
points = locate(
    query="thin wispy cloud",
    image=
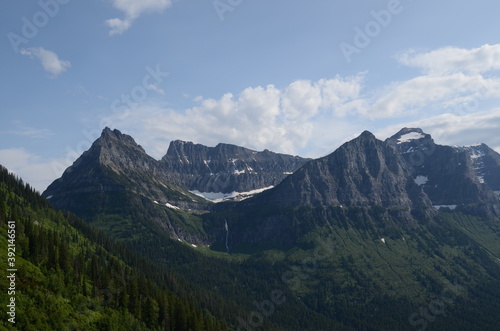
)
(450, 77)
(18, 128)
(132, 10)
(50, 61)
(32, 133)
(431, 94)
(450, 60)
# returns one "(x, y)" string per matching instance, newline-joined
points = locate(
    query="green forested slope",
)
(375, 274)
(70, 277)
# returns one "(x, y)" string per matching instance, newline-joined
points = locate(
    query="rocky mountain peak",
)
(119, 152)
(450, 176)
(407, 130)
(229, 148)
(226, 168)
(486, 164)
(184, 152)
(362, 172)
(110, 149)
(113, 151)
(179, 145)
(116, 165)
(111, 138)
(411, 138)
(367, 135)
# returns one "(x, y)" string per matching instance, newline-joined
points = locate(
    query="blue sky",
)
(298, 77)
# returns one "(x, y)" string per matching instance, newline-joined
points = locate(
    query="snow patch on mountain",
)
(406, 138)
(421, 180)
(474, 145)
(167, 204)
(452, 207)
(220, 197)
(475, 153)
(172, 206)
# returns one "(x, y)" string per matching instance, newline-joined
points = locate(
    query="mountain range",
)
(407, 173)
(396, 220)
(226, 168)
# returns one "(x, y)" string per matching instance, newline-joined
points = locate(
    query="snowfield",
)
(406, 138)
(219, 196)
(452, 207)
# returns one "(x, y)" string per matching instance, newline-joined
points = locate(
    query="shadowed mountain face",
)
(115, 163)
(450, 176)
(120, 189)
(486, 164)
(363, 180)
(362, 172)
(389, 184)
(226, 168)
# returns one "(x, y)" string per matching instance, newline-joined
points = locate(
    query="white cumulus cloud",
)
(285, 120)
(132, 10)
(50, 60)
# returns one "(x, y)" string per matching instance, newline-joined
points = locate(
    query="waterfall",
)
(227, 235)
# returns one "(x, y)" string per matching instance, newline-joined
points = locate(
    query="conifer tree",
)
(150, 312)
(64, 257)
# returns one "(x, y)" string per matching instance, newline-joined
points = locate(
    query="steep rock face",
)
(447, 174)
(450, 176)
(364, 181)
(226, 168)
(115, 163)
(486, 164)
(362, 172)
(116, 177)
